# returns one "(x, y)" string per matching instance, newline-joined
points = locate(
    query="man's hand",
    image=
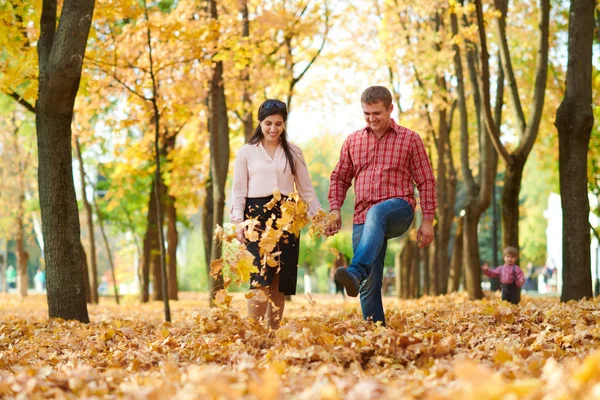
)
(336, 223)
(425, 233)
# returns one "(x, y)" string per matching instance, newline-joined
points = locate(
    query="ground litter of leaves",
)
(442, 347)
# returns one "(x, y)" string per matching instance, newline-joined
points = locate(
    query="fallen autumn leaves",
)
(433, 348)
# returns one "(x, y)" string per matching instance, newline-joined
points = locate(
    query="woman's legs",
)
(257, 305)
(276, 304)
(268, 305)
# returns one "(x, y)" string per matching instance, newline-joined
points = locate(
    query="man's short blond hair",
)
(512, 251)
(376, 94)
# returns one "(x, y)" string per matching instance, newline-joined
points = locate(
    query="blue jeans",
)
(384, 221)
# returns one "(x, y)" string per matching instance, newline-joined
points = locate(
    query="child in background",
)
(511, 276)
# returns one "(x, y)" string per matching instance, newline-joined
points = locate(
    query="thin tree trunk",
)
(93, 271)
(431, 254)
(207, 218)
(247, 120)
(574, 121)
(398, 272)
(405, 265)
(219, 155)
(471, 253)
(150, 244)
(172, 241)
(86, 276)
(457, 258)
(61, 53)
(109, 255)
(22, 258)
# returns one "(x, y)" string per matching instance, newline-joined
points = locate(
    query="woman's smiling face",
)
(272, 128)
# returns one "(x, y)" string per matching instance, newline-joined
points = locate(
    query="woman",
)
(268, 162)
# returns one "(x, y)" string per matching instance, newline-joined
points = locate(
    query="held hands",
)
(425, 233)
(335, 223)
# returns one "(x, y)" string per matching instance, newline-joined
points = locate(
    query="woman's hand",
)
(239, 232)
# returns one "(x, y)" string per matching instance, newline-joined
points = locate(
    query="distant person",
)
(38, 280)
(340, 261)
(511, 276)
(11, 277)
(267, 163)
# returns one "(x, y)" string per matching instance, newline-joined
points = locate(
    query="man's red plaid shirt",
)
(383, 169)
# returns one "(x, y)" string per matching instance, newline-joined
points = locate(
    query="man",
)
(386, 161)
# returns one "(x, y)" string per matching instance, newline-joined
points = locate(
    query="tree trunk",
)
(86, 276)
(150, 245)
(22, 256)
(405, 266)
(457, 258)
(219, 155)
(157, 278)
(172, 242)
(574, 121)
(61, 52)
(247, 120)
(398, 271)
(432, 264)
(207, 218)
(510, 202)
(471, 253)
(494, 282)
(92, 262)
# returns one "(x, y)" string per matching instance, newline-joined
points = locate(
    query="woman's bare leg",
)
(276, 305)
(257, 305)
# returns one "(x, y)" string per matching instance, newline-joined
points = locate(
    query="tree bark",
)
(510, 202)
(207, 218)
(219, 155)
(247, 119)
(150, 245)
(61, 52)
(471, 253)
(92, 262)
(172, 242)
(406, 258)
(574, 121)
(457, 258)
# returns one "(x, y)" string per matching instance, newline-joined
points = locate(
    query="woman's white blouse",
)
(256, 174)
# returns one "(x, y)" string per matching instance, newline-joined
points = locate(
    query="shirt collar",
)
(394, 128)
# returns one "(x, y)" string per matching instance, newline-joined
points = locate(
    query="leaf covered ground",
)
(433, 348)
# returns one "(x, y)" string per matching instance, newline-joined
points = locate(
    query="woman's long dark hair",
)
(274, 107)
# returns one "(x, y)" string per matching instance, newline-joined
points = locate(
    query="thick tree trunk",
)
(457, 258)
(92, 262)
(61, 52)
(574, 121)
(510, 202)
(471, 253)
(172, 242)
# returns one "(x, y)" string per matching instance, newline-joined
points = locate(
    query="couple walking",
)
(384, 160)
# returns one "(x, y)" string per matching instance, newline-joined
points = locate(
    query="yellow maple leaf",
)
(245, 266)
(216, 266)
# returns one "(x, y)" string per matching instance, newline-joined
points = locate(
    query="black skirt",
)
(289, 245)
